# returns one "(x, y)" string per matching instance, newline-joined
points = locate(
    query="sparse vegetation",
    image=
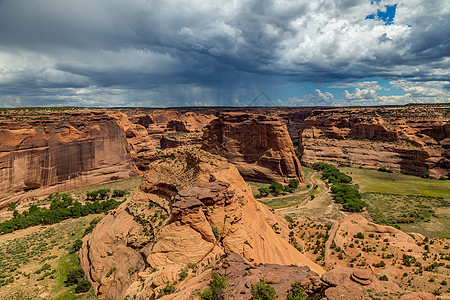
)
(214, 291)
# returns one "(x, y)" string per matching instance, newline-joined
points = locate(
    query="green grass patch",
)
(396, 183)
(426, 215)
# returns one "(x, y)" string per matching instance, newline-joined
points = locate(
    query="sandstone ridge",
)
(191, 208)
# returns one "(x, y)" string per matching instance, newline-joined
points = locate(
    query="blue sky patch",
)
(386, 16)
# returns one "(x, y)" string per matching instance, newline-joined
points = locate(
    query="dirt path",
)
(322, 208)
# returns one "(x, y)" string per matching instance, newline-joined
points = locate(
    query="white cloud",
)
(361, 94)
(148, 47)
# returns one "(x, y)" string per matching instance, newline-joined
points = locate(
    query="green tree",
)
(264, 191)
(83, 286)
(215, 289)
(296, 292)
(276, 188)
(263, 291)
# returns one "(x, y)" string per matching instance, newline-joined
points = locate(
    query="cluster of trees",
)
(343, 192)
(276, 188)
(76, 277)
(62, 207)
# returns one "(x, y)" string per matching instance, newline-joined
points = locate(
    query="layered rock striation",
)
(190, 209)
(53, 154)
(142, 150)
(258, 145)
(411, 140)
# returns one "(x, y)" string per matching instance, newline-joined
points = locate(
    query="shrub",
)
(216, 233)
(111, 271)
(263, 291)
(296, 292)
(384, 278)
(359, 235)
(214, 291)
(264, 191)
(118, 193)
(293, 183)
(168, 289)
(381, 264)
(183, 274)
(76, 246)
(289, 219)
(73, 276)
(83, 286)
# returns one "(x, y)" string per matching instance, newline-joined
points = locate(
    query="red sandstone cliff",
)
(411, 140)
(74, 149)
(258, 145)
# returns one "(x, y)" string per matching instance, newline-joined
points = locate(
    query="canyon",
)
(411, 140)
(194, 213)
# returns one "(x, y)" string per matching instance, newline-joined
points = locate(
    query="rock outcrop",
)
(411, 140)
(191, 207)
(258, 145)
(59, 152)
(142, 150)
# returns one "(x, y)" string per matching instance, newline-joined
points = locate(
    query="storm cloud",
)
(169, 53)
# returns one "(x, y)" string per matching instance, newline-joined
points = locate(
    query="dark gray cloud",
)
(111, 52)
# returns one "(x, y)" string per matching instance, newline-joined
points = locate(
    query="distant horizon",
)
(224, 107)
(306, 53)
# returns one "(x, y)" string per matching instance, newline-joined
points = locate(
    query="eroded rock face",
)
(240, 276)
(411, 140)
(191, 207)
(142, 150)
(258, 145)
(70, 151)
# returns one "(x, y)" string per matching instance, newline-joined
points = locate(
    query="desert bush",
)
(263, 291)
(264, 191)
(296, 292)
(214, 291)
(83, 286)
(74, 276)
(118, 193)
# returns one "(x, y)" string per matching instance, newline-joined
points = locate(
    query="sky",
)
(166, 53)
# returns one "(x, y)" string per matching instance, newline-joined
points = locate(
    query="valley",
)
(222, 195)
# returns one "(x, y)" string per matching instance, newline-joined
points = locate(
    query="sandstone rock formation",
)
(59, 152)
(172, 128)
(258, 145)
(191, 207)
(411, 140)
(142, 150)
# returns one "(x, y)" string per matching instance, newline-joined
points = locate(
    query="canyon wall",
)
(59, 152)
(258, 145)
(408, 139)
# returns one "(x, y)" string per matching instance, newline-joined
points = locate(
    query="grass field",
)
(282, 201)
(396, 183)
(24, 252)
(415, 204)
